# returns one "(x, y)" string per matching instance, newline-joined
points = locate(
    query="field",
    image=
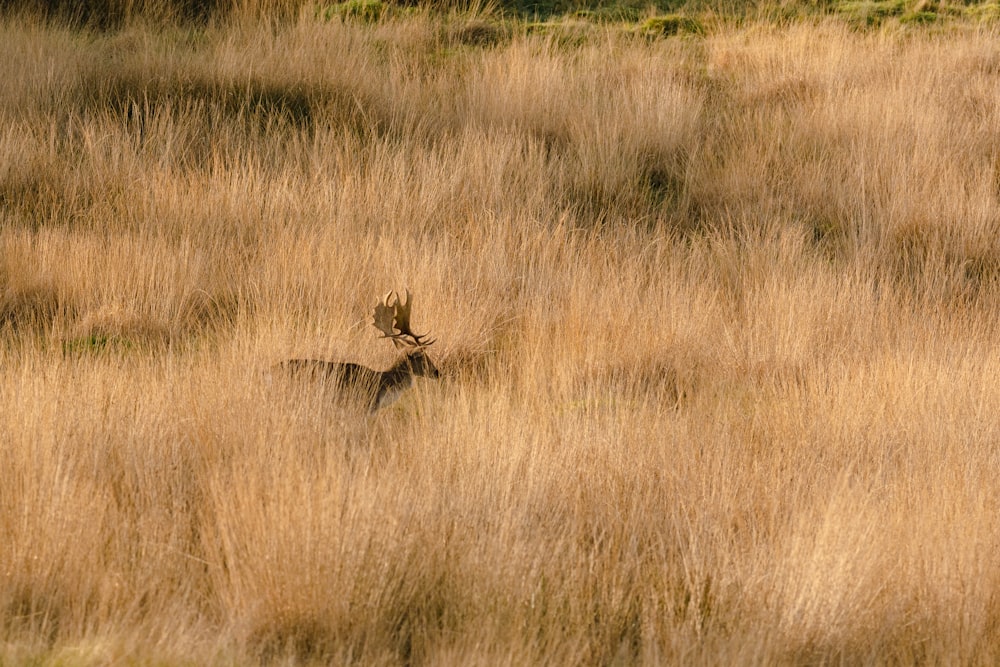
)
(717, 316)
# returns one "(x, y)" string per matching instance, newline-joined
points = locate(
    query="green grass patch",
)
(870, 13)
(367, 11)
(95, 344)
(565, 32)
(918, 18)
(670, 24)
(609, 14)
(985, 12)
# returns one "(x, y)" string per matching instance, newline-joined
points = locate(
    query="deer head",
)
(392, 318)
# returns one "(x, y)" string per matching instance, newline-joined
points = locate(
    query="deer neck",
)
(401, 374)
(394, 382)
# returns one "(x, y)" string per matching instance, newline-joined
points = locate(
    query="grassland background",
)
(718, 318)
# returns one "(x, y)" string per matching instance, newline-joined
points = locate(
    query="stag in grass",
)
(377, 389)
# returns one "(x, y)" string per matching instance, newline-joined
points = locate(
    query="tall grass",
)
(717, 319)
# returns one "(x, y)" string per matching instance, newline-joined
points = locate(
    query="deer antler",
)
(393, 320)
(384, 315)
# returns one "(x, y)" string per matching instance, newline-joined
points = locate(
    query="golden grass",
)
(718, 321)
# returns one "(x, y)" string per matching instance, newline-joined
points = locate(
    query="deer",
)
(377, 389)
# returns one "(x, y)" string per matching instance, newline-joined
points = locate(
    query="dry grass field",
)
(718, 321)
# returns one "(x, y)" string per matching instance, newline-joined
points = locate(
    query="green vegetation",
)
(563, 18)
(871, 12)
(363, 10)
(670, 24)
(94, 343)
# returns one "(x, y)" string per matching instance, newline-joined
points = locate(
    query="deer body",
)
(377, 389)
